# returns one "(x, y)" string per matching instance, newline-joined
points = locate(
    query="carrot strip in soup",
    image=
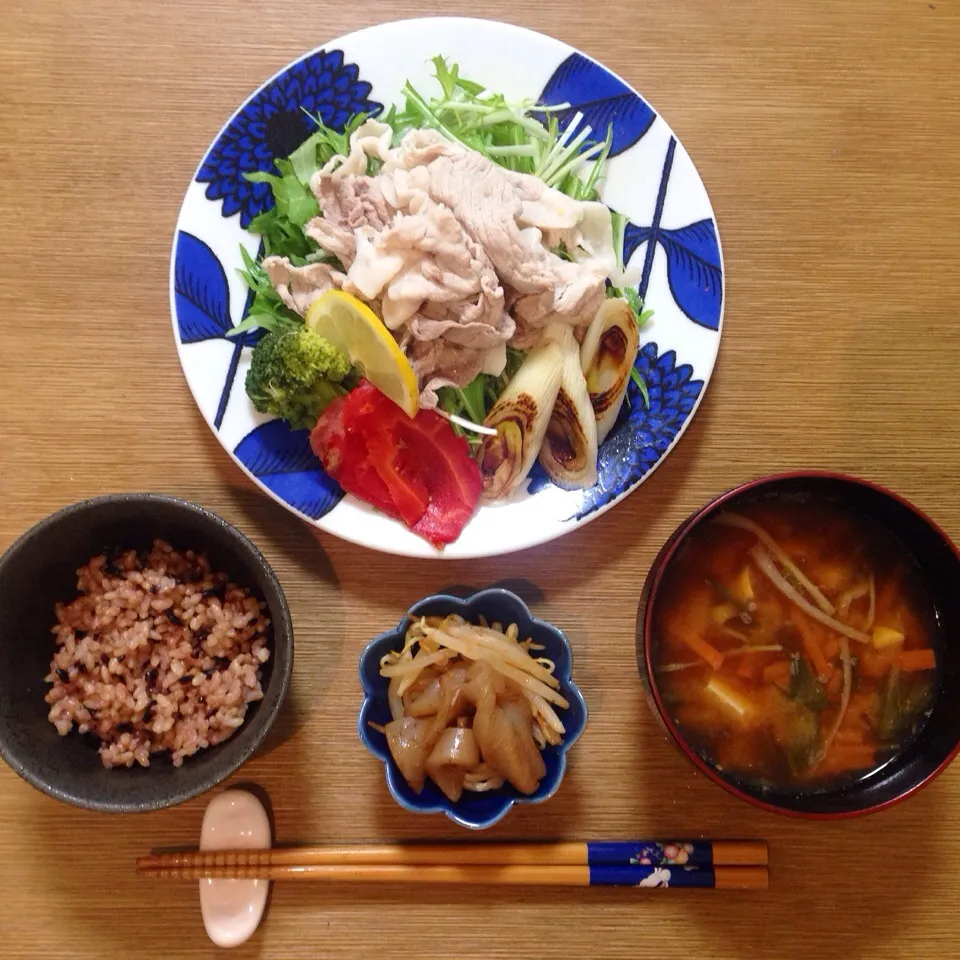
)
(778, 673)
(703, 649)
(915, 660)
(811, 646)
(830, 648)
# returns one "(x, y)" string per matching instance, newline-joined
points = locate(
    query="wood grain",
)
(827, 136)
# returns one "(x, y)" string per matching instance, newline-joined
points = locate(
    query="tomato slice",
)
(442, 461)
(416, 470)
(407, 491)
(343, 453)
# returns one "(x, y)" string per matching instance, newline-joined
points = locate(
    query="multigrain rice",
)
(156, 654)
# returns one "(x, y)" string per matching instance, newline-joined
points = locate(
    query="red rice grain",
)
(156, 654)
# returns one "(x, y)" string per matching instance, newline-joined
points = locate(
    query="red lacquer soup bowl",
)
(938, 741)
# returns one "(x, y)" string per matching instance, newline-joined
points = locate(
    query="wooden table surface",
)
(827, 135)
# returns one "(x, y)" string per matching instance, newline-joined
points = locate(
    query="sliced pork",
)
(300, 286)
(453, 251)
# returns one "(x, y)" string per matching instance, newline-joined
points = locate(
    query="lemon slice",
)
(352, 327)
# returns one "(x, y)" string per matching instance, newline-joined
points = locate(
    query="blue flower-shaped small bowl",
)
(475, 810)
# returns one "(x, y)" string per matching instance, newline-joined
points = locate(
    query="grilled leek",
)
(569, 450)
(607, 355)
(520, 416)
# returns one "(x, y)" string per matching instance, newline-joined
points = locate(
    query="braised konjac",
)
(472, 707)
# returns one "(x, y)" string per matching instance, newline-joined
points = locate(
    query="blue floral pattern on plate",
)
(281, 459)
(274, 122)
(694, 267)
(202, 300)
(602, 98)
(643, 434)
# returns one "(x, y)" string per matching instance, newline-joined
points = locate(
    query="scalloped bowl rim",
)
(382, 753)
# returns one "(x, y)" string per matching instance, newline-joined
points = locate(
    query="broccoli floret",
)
(295, 373)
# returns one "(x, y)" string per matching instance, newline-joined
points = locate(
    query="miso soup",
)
(795, 644)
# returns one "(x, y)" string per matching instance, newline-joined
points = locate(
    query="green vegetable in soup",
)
(803, 745)
(891, 707)
(902, 705)
(804, 686)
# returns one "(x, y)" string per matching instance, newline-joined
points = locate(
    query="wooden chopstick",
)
(634, 875)
(696, 853)
(722, 863)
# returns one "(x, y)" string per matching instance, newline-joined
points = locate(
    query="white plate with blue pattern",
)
(671, 243)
